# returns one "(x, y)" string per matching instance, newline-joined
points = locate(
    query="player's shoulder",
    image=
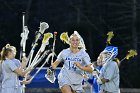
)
(7, 62)
(83, 51)
(66, 50)
(113, 64)
(15, 60)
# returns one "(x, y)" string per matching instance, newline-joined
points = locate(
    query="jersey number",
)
(72, 67)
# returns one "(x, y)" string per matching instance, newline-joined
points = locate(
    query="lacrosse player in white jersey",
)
(109, 73)
(76, 61)
(11, 69)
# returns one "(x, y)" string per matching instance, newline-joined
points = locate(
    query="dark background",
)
(91, 18)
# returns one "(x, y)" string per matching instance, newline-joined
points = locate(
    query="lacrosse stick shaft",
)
(42, 65)
(40, 59)
(35, 59)
(21, 52)
(30, 56)
(123, 59)
(43, 27)
(55, 33)
(40, 51)
(23, 24)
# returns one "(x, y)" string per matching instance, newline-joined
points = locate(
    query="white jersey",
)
(110, 71)
(69, 70)
(17, 62)
(10, 80)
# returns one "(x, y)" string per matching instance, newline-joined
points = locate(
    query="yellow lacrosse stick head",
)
(47, 36)
(64, 37)
(131, 53)
(110, 35)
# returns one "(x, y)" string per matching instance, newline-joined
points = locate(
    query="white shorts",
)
(63, 80)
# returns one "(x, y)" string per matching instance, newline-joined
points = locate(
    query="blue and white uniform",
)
(110, 71)
(70, 74)
(10, 82)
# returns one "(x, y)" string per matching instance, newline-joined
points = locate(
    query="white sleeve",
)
(12, 66)
(86, 59)
(110, 72)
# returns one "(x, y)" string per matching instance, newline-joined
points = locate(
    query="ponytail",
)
(5, 51)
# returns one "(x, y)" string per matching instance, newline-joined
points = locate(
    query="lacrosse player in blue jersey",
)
(109, 73)
(76, 61)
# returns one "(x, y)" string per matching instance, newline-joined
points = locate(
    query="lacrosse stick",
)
(21, 44)
(51, 76)
(47, 36)
(24, 36)
(46, 61)
(45, 42)
(41, 58)
(64, 37)
(43, 27)
(95, 73)
(131, 53)
(38, 61)
(55, 33)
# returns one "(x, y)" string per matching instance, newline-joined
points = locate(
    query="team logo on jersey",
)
(73, 59)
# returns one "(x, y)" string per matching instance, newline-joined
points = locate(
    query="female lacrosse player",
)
(109, 74)
(11, 70)
(76, 61)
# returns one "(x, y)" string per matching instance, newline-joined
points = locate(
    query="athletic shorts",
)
(63, 80)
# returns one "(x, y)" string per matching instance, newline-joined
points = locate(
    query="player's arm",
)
(53, 67)
(85, 68)
(55, 64)
(20, 71)
(57, 61)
